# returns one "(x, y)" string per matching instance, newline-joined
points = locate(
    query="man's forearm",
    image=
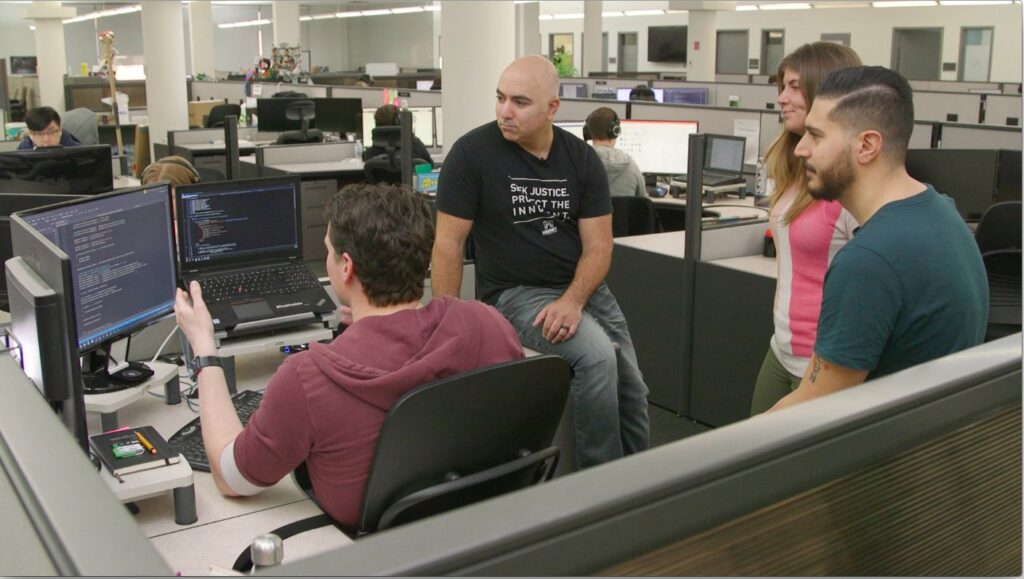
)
(446, 270)
(218, 419)
(591, 270)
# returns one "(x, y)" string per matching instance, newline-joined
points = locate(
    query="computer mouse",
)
(131, 373)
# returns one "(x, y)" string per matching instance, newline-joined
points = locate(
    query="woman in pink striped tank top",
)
(807, 233)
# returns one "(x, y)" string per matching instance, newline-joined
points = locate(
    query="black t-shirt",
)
(525, 210)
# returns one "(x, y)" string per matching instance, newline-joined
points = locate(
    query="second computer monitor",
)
(658, 147)
(84, 170)
(338, 115)
(622, 94)
(724, 153)
(574, 127)
(688, 95)
(121, 246)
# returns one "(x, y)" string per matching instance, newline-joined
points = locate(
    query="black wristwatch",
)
(200, 362)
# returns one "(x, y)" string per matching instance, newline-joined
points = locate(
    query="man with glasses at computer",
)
(325, 406)
(44, 130)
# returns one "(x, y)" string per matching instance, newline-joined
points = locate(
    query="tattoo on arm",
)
(816, 369)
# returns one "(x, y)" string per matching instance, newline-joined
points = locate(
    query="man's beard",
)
(835, 180)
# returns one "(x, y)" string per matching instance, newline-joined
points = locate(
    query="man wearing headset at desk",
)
(325, 406)
(602, 129)
(536, 200)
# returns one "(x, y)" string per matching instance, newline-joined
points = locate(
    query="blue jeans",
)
(608, 393)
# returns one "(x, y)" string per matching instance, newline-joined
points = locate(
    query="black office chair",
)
(634, 216)
(673, 217)
(303, 111)
(999, 239)
(387, 167)
(288, 94)
(219, 113)
(455, 442)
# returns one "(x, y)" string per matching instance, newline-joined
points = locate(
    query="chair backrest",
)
(388, 137)
(83, 124)
(999, 227)
(634, 216)
(219, 113)
(473, 423)
(302, 110)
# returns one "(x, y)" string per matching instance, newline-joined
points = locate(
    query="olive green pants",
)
(773, 383)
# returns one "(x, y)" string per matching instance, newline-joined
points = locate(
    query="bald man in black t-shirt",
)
(536, 201)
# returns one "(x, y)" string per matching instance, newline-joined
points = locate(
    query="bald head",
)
(536, 71)
(527, 102)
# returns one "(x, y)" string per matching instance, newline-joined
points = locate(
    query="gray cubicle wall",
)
(999, 108)
(371, 96)
(921, 137)
(232, 90)
(952, 86)
(980, 137)
(59, 518)
(918, 474)
(752, 96)
(580, 109)
(936, 106)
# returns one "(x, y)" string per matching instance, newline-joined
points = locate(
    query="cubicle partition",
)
(918, 474)
(947, 107)
(580, 109)
(922, 135)
(953, 86)
(204, 90)
(958, 136)
(751, 96)
(1003, 110)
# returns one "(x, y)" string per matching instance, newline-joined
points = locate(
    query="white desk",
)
(225, 525)
(755, 264)
(107, 404)
(726, 208)
(347, 165)
(216, 145)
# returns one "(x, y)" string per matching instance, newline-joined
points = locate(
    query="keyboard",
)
(189, 439)
(276, 280)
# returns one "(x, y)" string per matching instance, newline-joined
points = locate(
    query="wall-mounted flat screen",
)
(666, 44)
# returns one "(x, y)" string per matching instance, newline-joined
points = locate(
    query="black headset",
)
(612, 132)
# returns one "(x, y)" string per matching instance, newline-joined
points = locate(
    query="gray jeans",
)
(608, 393)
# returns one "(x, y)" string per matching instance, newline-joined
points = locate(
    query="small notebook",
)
(129, 450)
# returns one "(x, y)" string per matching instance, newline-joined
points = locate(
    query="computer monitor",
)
(574, 127)
(270, 113)
(690, 96)
(12, 203)
(124, 272)
(724, 153)
(43, 322)
(422, 125)
(424, 84)
(85, 170)
(973, 189)
(622, 94)
(658, 147)
(573, 90)
(338, 115)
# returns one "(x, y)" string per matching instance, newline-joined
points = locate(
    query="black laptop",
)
(723, 160)
(242, 241)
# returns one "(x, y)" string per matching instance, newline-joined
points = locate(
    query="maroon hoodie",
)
(326, 406)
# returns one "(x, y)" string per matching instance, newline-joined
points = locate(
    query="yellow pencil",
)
(145, 443)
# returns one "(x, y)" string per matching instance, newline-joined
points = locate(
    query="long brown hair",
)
(812, 62)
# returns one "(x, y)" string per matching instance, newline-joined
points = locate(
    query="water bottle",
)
(359, 148)
(760, 179)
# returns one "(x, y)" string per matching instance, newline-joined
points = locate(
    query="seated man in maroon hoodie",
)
(326, 406)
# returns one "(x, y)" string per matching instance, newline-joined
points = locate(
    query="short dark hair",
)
(386, 116)
(600, 122)
(388, 232)
(876, 98)
(39, 118)
(642, 92)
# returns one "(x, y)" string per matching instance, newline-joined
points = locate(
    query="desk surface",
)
(225, 525)
(727, 207)
(216, 146)
(672, 244)
(348, 165)
(755, 264)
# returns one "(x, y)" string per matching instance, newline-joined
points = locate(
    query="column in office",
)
(200, 29)
(435, 21)
(286, 23)
(476, 45)
(592, 39)
(50, 58)
(163, 46)
(700, 62)
(528, 28)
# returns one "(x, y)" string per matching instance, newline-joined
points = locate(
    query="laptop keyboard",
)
(189, 439)
(277, 280)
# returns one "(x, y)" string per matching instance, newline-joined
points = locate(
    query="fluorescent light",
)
(245, 23)
(305, 18)
(972, 2)
(746, 8)
(432, 7)
(408, 10)
(104, 13)
(545, 17)
(375, 12)
(612, 14)
(568, 16)
(322, 16)
(644, 12)
(786, 6)
(903, 3)
(841, 4)
(347, 14)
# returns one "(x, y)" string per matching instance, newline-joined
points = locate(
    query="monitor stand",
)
(106, 369)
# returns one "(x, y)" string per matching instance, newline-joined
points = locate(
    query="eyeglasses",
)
(48, 133)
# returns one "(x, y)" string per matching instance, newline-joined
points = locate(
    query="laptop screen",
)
(724, 153)
(239, 222)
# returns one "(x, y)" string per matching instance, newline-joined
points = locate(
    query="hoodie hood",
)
(380, 358)
(616, 163)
